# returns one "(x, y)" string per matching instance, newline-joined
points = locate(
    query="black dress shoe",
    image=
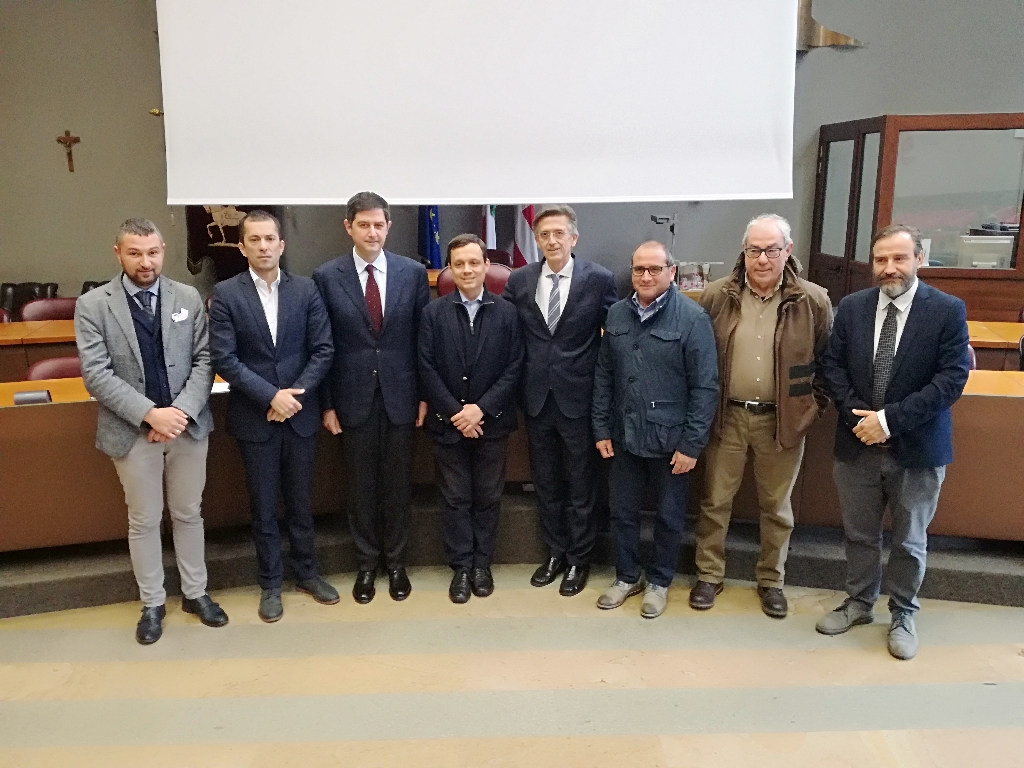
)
(574, 580)
(483, 582)
(399, 585)
(773, 602)
(211, 614)
(703, 594)
(150, 627)
(364, 590)
(459, 589)
(547, 572)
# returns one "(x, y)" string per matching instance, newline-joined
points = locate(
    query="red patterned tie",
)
(373, 301)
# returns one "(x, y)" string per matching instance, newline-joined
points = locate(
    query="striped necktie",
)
(883, 358)
(554, 304)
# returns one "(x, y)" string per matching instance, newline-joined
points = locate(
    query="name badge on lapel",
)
(180, 315)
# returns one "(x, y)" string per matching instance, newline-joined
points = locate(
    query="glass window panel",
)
(837, 198)
(868, 182)
(963, 190)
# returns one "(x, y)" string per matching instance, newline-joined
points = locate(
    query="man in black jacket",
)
(470, 357)
(655, 395)
(562, 302)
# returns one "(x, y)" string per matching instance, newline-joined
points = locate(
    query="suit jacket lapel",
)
(864, 359)
(482, 327)
(252, 301)
(284, 307)
(166, 310)
(532, 284)
(455, 323)
(579, 276)
(118, 302)
(350, 282)
(393, 290)
(915, 321)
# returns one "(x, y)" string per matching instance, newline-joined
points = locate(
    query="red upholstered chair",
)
(497, 276)
(49, 309)
(54, 368)
(974, 357)
(5, 316)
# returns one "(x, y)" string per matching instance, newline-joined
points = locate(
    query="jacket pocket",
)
(666, 335)
(665, 419)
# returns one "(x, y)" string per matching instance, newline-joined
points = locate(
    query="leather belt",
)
(756, 407)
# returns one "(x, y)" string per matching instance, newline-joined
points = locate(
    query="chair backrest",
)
(5, 316)
(49, 309)
(88, 285)
(497, 277)
(54, 368)
(974, 357)
(13, 296)
(499, 257)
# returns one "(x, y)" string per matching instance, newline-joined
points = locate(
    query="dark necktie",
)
(146, 300)
(883, 358)
(373, 301)
(554, 304)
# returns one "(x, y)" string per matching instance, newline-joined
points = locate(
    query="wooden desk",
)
(995, 344)
(22, 344)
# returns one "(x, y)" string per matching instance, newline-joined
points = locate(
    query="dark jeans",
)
(470, 477)
(283, 464)
(562, 457)
(630, 476)
(379, 458)
(865, 486)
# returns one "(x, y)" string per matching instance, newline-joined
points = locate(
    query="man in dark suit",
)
(374, 299)
(562, 302)
(271, 341)
(896, 363)
(471, 357)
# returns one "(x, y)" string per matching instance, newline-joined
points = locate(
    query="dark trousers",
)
(630, 476)
(281, 465)
(471, 478)
(379, 457)
(562, 456)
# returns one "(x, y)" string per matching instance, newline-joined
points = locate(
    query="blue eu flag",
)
(430, 236)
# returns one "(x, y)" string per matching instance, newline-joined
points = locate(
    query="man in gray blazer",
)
(144, 348)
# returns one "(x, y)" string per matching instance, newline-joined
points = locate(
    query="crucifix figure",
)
(69, 141)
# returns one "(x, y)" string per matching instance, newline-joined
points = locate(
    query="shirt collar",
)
(257, 280)
(771, 293)
(654, 306)
(478, 300)
(132, 288)
(566, 272)
(380, 263)
(902, 301)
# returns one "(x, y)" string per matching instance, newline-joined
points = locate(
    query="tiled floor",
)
(522, 678)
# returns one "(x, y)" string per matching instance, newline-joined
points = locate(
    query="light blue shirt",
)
(380, 276)
(133, 289)
(472, 306)
(651, 309)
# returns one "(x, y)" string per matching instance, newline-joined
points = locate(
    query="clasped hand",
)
(165, 424)
(869, 429)
(469, 421)
(284, 405)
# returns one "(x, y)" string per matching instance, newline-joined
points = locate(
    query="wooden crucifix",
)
(69, 141)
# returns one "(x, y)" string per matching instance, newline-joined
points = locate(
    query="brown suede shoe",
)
(702, 596)
(773, 602)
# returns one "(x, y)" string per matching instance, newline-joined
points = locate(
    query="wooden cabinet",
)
(957, 178)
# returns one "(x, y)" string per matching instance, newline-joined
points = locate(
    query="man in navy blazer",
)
(896, 363)
(271, 341)
(471, 356)
(562, 303)
(374, 299)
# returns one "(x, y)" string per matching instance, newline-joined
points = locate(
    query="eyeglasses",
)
(639, 271)
(552, 234)
(772, 252)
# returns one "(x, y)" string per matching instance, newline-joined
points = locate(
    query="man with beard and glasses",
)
(896, 363)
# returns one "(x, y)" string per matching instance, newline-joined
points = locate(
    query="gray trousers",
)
(865, 487)
(180, 466)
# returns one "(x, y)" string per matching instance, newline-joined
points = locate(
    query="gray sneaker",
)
(617, 593)
(849, 614)
(902, 635)
(319, 589)
(270, 605)
(655, 600)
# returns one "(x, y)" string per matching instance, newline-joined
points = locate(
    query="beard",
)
(895, 289)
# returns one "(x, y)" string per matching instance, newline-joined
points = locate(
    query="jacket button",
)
(462, 401)
(465, 378)
(636, 346)
(632, 379)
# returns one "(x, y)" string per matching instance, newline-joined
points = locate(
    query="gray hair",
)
(557, 210)
(669, 261)
(780, 222)
(137, 226)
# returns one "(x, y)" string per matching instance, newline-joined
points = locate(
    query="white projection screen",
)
(296, 102)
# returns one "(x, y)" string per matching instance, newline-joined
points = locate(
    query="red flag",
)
(525, 249)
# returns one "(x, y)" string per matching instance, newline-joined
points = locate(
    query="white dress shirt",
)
(902, 302)
(381, 275)
(269, 296)
(545, 283)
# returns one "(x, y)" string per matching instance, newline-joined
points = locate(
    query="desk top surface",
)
(16, 333)
(993, 335)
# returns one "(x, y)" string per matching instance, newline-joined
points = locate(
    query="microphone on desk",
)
(32, 397)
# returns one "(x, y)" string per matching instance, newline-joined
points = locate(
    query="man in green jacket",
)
(655, 393)
(771, 328)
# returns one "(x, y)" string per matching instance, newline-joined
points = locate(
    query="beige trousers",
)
(775, 473)
(180, 466)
